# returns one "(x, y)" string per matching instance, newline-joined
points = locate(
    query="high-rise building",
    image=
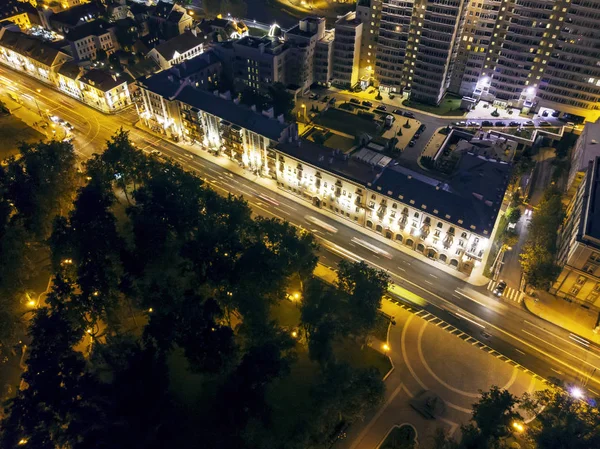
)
(520, 53)
(346, 50)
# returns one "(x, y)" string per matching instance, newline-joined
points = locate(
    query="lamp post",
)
(304, 112)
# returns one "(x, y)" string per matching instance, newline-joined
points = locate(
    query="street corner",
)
(456, 369)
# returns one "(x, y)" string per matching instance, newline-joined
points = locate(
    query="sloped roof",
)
(180, 44)
(103, 80)
(70, 69)
(95, 28)
(73, 16)
(29, 46)
(231, 112)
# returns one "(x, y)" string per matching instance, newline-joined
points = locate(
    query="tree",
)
(495, 413)
(41, 184)
(101, 55)
(513, 215)
(562, 421)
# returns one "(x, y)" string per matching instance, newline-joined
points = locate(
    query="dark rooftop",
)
(97, 27)
(29, 46)
(471, 200)
(142, 69)
(103, 80)
(163, 9)
(73, 16)
(70, 69)
(167, 82)
(180, 44)
(332, 161)
(231, 112)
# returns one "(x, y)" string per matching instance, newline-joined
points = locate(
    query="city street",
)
(539, 346)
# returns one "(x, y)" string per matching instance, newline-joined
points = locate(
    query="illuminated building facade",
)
(346, 50)
(579, 244)
(177, 49)
(450, 223)
(31, 56)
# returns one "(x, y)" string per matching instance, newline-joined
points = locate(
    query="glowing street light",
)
(518, 426)
(577, 393)
(294, 334)
(385, 347)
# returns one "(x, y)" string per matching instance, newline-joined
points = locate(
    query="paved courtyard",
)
(427, 357)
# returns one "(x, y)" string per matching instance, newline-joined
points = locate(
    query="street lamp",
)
(304, 112)
(577, 393)
(518, 426)
(386, 348)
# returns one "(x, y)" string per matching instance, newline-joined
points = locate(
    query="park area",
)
(329, 139)
(14, 131)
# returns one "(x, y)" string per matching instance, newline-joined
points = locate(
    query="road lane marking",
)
(518, 350)
(560, 349)
(468, 319)
(433, 276)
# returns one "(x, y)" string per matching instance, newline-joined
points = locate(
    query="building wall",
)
(369, 13)
(323, 61)
(87, 48)
(20, 19)
(346, 51)
(400, 222)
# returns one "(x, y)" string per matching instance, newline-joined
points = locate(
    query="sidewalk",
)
(569, 316)
(476, 278)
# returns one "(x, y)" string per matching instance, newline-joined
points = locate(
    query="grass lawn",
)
(450, 105)
(350, 352)
(346, 122)
(13, 131)
(381, 327)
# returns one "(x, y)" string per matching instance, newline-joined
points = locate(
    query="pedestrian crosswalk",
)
(509, 293)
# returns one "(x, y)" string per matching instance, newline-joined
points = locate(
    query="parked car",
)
(381, 108)
(487, 123)
(529, 123)
(500, 124)
(472, 124)
(412, 143)
(325, 99)
(514, 124)
(555, 114)
(156, 153)
(409, 114)
(460, 123)
(398, 111)
(545, 113)
(417, 135)
(421, 128)
(499, 290)
(314, 96)
(354, 100)
(367, 103)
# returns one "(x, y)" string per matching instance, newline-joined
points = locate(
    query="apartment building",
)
(105, 91)
(369, 13)
(88, 39)
(73, 17)
(586, 149)
(310, 53)
(17, 13)
(255, 63)
(447, 222)
(346, 50)
(170, 19)
(34, 57)
(177, 49)
(184, 112)
(579, 244)
(540, 54)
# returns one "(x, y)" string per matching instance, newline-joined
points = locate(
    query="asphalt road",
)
(543, 348)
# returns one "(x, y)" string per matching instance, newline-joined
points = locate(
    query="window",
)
(416, 215)
(580, 280)
(574, 290)
(440, 224)
(595, 257)
(588, 268)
